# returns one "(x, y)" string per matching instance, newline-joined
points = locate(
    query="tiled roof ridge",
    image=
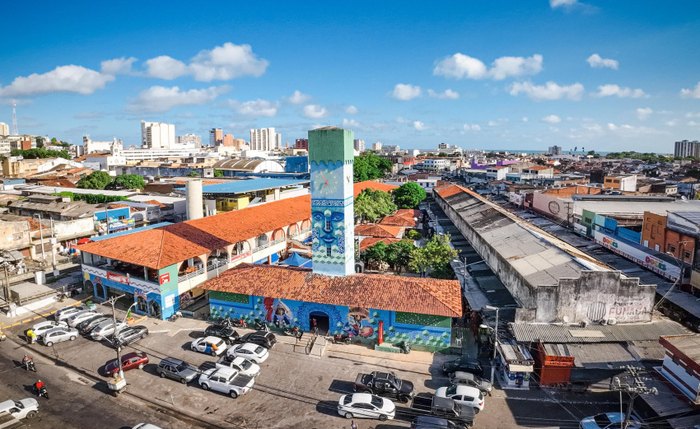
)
(162, 231)
(422, 286)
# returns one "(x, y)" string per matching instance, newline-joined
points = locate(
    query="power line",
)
(633, 385)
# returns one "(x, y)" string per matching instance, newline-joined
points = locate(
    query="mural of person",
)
(358, 322)
(277, 312)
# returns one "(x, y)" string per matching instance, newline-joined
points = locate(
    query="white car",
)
(463, 394)
(242, 365)
(227, 381)
(105, 329)
(250, 351)
(80, 316)
(146, 426)
(28, 408)
(366, 406)
(59, 334)
(41, 327)
(210, 345)
(608, 421)
(67, 312)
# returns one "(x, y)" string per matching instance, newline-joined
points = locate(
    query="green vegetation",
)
(398, 255)
(409, 195)
(92, 198)
(646, 156)
(95, 180)
(376, 253)
(193, 173)
(435, 256)
(369, 166)
(56, 142)
(412, 234)
(372, 205)
(40, 153)
(127, 181)
(218, 173)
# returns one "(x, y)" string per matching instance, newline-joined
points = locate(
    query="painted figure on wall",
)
(358, 323)
(277, 312)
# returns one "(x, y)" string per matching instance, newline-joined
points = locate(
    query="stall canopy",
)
(297, 260)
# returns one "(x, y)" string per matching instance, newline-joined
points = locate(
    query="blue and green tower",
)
(332, 219)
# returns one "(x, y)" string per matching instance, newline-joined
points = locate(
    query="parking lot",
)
(298, 391)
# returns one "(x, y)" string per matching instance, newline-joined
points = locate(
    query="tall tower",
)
(332, 217)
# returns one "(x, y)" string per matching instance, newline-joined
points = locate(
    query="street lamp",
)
(495, 342)
(120, 380)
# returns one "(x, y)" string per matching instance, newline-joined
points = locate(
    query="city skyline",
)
(490, 75)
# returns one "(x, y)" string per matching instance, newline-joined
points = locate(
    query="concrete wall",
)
(14, 235)
(64, 230)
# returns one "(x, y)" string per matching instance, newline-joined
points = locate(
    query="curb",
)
(172, 411)
(41, 315)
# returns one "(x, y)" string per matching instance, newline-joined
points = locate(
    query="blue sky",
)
(613, 75)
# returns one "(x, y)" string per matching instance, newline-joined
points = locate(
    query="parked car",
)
(59, 334)
(225, 332)
(227, 381)
(80, 316)
(210, 345)
(86, 327)
(146, 426)
(250, 351)
(105, 329)
(177, 370)
(66, 312)
(366, 406)
(384, 384)
(462, 364)
(244, 366)
(130, 334)
(261, 338)
(41, 327)
(430, 422)
(129, 361)
(469, 379)
(608, 421)
(463, 394)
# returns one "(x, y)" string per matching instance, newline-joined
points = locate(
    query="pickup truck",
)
(11, 412)
(427, 403)
(227, 381)
(384, 384)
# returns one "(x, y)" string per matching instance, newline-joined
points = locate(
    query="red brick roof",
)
(396, 220)
(160, 247)
(374, 185)
(449, 190)
(374, 230)
(382, 292)
(371, 241)
(409, 213)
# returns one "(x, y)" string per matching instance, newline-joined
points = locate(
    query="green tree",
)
(193, 173)
(128, 181)
(375, 254)
(39, 142)
(218, 173)
(95, 180)
(413, 234)
(372, 205)
(419, 261)
(369, 166)
(40, 153)
(54, 141)
(436, 255)
(398, 254)
(409, 195)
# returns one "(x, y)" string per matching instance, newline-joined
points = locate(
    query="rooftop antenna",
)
(14, 118)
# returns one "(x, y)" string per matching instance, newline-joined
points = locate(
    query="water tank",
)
(194, 199)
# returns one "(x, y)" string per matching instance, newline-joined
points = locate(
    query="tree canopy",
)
(650, 157)
(372, 205)
(127, 181)
(436, 256)
(409, 195)
(369, 166)
(95, 180)
(398, 254)
(40, 152)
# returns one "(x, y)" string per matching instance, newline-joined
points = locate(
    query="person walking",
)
(31, 336)
(314, 325)
(353, 425)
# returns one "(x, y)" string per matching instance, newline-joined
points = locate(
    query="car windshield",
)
(219, 343)
(19, 405)
(451, 390)
(183, 366)
(602, 420)
(232, 376)
(377, 401)
(245, 364)
(347, 399)
(259, 349)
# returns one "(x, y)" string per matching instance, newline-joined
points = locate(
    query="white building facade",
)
(4, 129)
(265, 139)
(157, 135)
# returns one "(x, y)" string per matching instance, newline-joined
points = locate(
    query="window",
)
(686, 255)
(328, 225)
(671, 248)
(328, 250)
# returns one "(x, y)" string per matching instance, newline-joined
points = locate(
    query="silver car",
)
(42, 327)
(66, 312)
(105, 329)
(80, 316)
(57, 335)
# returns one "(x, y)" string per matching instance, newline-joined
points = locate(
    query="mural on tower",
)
(332, 220)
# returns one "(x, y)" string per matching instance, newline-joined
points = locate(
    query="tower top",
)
(330, 144)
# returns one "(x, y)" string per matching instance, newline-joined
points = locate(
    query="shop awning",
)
(520, 368)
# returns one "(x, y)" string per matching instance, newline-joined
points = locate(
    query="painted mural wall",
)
(421, 330)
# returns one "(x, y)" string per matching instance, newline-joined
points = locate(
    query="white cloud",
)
(314, 111)
(298, 97)
(405, 91)
(446, 94)
(548, 91)
(691, 92)
(609, 90)
(693, 124)
(644, 112)
(71, 78)
(692, 115)
(461, 66)
(351, 110)
(524, 119)
(350, 123)
(561, 3)
(161, 99)
(419, 125)
(492, 123)
(471, 127)
(596, 61)
(551, 119)
(258, 107)
(117, 66)
(671, 123)
(165, 67)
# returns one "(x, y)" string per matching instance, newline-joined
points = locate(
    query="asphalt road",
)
(76, 402)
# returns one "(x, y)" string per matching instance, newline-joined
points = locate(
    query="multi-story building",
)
(686, 148)
(4, 129)
(301, 144)
(227, 140)
(265, 139)
(216, 136)
(192, 140)
(377, 146)
(554, 150)
(621, 183)
(157, 135)
(681, 364)
(359, 145)
(92, 146)
(436, 164)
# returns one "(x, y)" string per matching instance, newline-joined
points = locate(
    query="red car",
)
(129, 361)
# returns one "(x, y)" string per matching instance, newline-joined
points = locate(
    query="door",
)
(319, 321)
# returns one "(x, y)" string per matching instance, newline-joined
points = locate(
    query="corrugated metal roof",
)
(601, 355)
(532, 332)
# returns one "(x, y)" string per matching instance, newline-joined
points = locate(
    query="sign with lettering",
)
(647, 260)
(119, 278)
(164, 278)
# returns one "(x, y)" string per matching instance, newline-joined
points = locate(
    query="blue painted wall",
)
(296, 164)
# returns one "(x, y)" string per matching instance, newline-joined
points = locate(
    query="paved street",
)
(293, 390)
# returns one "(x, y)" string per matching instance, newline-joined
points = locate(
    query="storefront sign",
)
(164, 278)
(637, 255)
(119, 278)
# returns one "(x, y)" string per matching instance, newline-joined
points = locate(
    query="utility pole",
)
(634, 386)
(681, 265)
(112, 301)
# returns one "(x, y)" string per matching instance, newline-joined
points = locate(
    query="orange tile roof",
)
(409, 213)
(399, 221)
(374, 230)
(160, 247)
(376, 291)
(371, 241)
(448, 191)
(372, 184)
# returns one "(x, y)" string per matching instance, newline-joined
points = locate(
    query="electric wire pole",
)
(634, 386)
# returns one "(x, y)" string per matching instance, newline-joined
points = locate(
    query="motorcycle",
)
(293, 332)
(343, 338)
(42, 392)
(260, 325)
(238, 323)
(404, 346)
(29, 365)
